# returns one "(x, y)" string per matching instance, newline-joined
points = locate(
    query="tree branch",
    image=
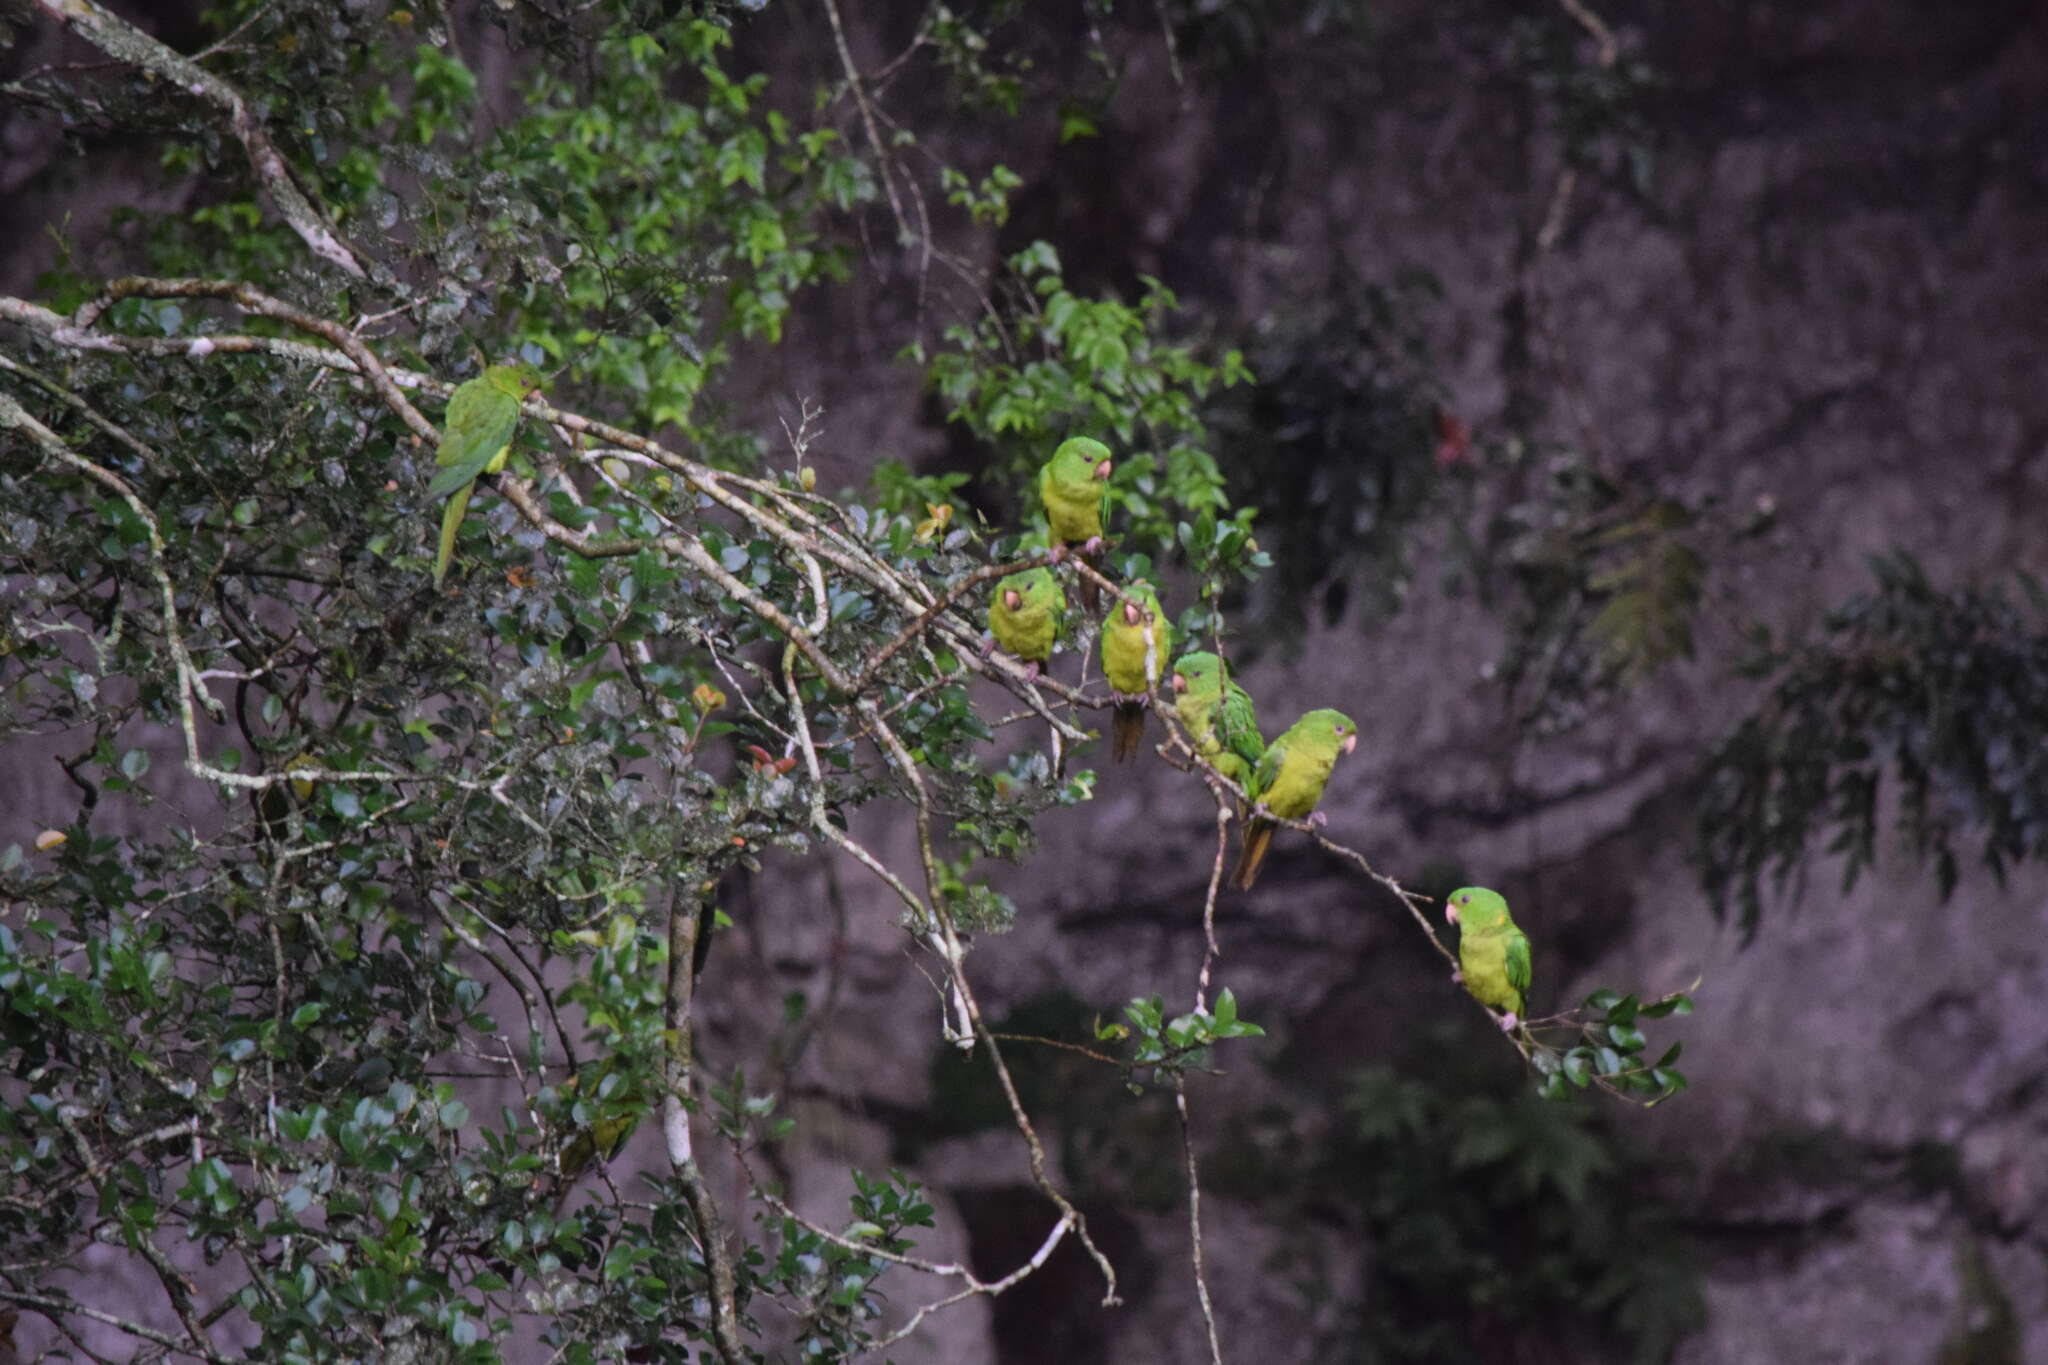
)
(117, 38)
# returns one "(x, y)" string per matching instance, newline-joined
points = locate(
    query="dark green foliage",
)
(1101, 1090)
(1604, 1044)
(1602, 581)
(1338, 444)
(1939, 692)
(1049, 363)
(245, 1015)
(1491, 1220)
(1593, 93)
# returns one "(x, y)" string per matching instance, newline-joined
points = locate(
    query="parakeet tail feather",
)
(451, 522)
(1257, 835)
(1126, 729)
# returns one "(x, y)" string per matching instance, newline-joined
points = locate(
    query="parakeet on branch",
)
(1025, 615)
(1493, 952)
(1218, 716)
(476, 439)
(1074, 485)
(616, 1109)
(1136, 644)
(1288, 782)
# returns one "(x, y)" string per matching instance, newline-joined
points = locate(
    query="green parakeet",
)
(1025, 615)
(1288, 782)
(1218, 715)
(476, 439)
(1074, 485)
(615, 1108)
(1493, 952)
(1132, 666)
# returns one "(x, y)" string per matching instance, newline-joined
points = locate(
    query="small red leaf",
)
(1454, 439)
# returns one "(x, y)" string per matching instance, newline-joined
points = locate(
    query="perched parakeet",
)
(1218, 715)
(1493, 952)
(1133, 666)
(476, 440)
(1288, 782)
(1074, 485)
(614, 1106)
(1025, 615)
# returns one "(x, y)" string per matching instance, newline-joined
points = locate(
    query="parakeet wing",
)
(1518, 959)
(1237, 725)
(1269, 768)
(480, 423)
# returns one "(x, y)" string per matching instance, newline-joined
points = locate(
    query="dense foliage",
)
(1913, 707)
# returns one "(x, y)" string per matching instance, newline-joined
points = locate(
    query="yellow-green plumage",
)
(1218, 716)
(1289, 780)
(610, 1108)
(1025, 614)
(1136, 643)
(476, 439)
(1074, 486)
(1493, 952)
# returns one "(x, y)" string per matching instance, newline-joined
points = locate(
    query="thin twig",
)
(955, 954)
(1187, 1145)
(867, 116)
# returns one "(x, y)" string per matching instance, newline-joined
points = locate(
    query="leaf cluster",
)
(1498, 1219)
(1912, 706)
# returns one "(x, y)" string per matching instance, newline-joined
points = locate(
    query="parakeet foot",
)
(1059, 552)
(1091, 546)
(1316, 819)
(988, 646)
(1457, 977)
(1031, 671)
(1508, 1022)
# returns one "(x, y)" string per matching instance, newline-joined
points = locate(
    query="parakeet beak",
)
(1180, 683)
(1351, 741)
(1131, 614)
(1012, 598)
(1450, 912)
(1102, 470)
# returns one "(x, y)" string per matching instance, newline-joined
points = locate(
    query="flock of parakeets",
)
(1026, 616)
(1283, 779)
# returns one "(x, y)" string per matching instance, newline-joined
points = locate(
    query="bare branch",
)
(867, 117)
(1187, 1146)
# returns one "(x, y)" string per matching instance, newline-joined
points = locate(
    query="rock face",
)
(1830, 294)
